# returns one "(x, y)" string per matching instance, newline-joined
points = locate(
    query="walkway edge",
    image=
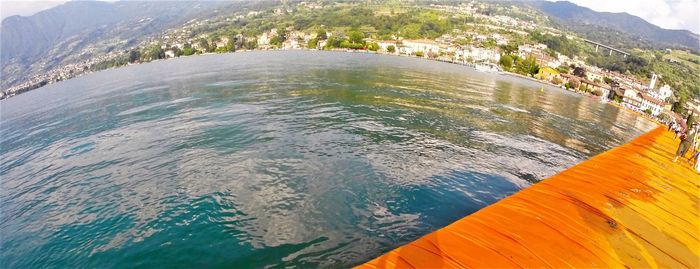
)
(627, 207)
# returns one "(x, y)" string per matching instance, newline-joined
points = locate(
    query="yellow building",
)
(547, 73)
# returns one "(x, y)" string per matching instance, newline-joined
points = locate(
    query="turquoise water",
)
(274, 159)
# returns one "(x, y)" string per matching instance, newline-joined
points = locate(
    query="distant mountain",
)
(53, 36)
(626, 29)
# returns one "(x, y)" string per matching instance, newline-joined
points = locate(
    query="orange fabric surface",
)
(628, 207)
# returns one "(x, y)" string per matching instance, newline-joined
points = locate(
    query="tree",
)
(204, 44)
(276, 41)
(419, 53)
(573, 83)
(391, 48)
(153, 53)
(251, 44)
(579, 72)
(509, 48)
(231, 44)
(373, 46)
(690, 120)
(333, 42)
(134, 55)
(321, 34)
(528, 66)
(489, 43)
(506, 61)
(563, 69)
(583, 88)
(313, 43)
(176, 51)
(187, 51)
(556, 80)
(607, 80)
(356, 37)
(282, 34)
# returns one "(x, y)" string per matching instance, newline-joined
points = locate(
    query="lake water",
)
(274, 159)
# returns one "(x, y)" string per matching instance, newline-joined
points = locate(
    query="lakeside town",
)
(489, 43)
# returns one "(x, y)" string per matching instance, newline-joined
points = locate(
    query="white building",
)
(423, 45)
(500, 40)
(633, 98)
(651, 103)
(290, 44)
(384, 45)
(321, 44)
(665, 92)
(481, 54)
(652, 83)
(264, 40)
(405, 50)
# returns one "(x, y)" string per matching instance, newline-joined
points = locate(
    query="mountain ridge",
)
(78, 30)
(26, 41)
(580, 19)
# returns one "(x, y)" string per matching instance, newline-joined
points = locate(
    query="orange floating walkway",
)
(628, 207)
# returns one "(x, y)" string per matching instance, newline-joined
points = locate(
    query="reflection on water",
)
(274, 158)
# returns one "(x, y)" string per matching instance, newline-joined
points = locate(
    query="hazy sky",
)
(25, 7)
(671, 14)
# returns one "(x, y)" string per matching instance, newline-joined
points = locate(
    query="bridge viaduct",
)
(597, 45)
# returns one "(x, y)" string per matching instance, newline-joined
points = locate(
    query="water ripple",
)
(274, 159)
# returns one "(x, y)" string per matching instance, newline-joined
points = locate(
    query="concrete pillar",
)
(596, 48)
(610, 54)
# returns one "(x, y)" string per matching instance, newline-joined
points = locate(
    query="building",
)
(664, 92)
(481, 54)
(198, 46)
(616, 94)
(632, 98)
(384, 45)
(656, 106)
(693, 105)
(405, 50)
(595, 87)
(291, 43)
(537, 51)
(595, 75)
(321, 44)
(500, 40)
(423, 45)
(547, 73)
(264, 40)
(652, 82)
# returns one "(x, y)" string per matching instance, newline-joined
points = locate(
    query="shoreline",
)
(300, 49)
(504, 73)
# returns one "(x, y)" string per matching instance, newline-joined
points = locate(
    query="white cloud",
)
(669, 14)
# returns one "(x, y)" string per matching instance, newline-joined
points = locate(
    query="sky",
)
(25, 7)
(670, 14)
